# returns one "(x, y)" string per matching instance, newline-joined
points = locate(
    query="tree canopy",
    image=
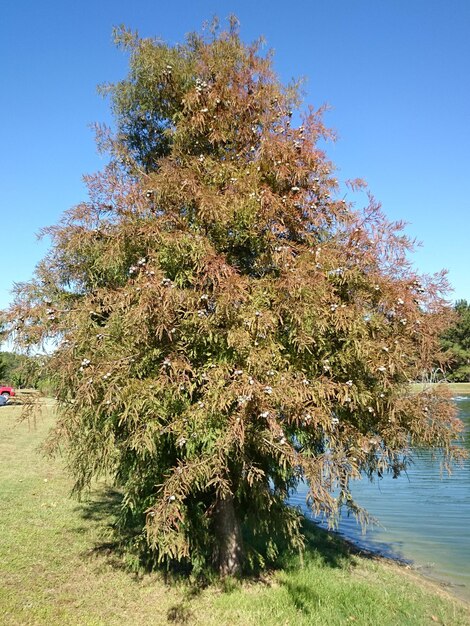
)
(227, 322)
(456, 341)
(21, 370)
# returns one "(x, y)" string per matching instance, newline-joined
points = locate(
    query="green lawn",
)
(460, 387)
(56, 568)
(455, 388)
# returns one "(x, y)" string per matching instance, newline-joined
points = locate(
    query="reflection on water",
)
(424, 517)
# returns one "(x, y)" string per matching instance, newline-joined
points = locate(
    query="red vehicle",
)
(7, 392)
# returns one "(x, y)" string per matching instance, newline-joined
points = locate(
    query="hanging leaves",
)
(226, 324)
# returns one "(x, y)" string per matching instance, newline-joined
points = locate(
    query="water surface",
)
(424, 516)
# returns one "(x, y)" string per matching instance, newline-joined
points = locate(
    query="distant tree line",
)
(23, 371)
(456, 342)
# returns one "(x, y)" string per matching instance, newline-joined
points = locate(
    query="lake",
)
(424, 516)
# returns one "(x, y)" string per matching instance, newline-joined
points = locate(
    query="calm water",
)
(424, 517)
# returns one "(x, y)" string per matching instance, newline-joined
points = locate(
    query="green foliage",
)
(456, 340)
(227, 325)
(20, 370)
(8, 363)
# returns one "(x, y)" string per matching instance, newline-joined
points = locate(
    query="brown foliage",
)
(226, 323)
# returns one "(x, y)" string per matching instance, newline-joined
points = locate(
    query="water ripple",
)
(424, 516)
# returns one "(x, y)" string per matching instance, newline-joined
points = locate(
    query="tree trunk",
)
(229, 551)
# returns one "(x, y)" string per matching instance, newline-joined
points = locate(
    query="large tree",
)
(21, 370)
(456, 341)
(228, 324)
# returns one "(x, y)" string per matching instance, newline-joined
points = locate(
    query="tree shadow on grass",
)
(100, 511)
(179, 614)
(102, 506)
(323, 547)
(122, 546)
(334, 548)
(326, 546)
(302, 597)
(112, 545)
(327, 549)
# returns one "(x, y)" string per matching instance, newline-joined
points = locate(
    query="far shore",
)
(455, 388)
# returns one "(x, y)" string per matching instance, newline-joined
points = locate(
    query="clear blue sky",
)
(396, 73)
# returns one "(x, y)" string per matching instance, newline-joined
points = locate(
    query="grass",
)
(459, 387)
(56, 567)
(456, 388)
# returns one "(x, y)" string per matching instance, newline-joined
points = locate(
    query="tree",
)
(456, 341)
(20, 370)
(9, 364)
(227, 325)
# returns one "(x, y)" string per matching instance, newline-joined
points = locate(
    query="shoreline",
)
(455, 388)
(423, 572)
(415, 571)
